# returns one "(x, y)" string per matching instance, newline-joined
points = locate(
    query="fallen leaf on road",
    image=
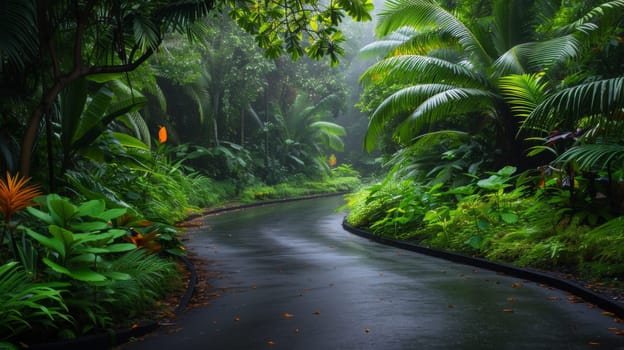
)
(316, 312)
(594, 343)
(607, 313)
(367, 330)
(516, 285)
(236, 318)
(511, 299)
(270, 342)
(287, 315)
(574, 299)
(507, 310)
(554, 298)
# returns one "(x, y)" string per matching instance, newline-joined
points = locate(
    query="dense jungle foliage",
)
(120, 118)
(500, 123)
(493, 126)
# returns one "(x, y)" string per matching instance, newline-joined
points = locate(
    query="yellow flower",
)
(332, 161)
(16, 195)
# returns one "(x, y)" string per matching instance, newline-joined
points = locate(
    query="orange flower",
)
(162, 134)
(148, 241)
(16, 195)
(332, 161)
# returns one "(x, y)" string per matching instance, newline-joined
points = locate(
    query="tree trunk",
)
(215, 113)
(242, 127)
(28, 141)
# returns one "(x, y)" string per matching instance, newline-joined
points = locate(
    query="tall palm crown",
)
(450, 66)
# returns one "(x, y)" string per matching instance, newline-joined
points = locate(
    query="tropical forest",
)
(488, 128)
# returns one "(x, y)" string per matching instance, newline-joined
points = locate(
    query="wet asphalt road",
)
(292, 278)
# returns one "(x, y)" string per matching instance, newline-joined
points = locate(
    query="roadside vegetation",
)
(500, 124)
(119, 119)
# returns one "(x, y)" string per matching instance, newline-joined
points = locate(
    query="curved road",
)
(292, 278)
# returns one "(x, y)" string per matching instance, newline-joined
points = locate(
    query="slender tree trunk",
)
(51, 182)
(32, 131)
(242, 127)
(215, 113)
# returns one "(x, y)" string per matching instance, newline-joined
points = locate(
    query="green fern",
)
(26, 305)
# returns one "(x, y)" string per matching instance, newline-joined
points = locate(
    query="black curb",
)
(190, 288)
(586, 294)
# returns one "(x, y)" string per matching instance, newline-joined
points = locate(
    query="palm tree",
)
(587, 107)
(449, 67)
(306, 134)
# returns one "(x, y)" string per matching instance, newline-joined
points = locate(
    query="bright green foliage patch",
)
(496, 220)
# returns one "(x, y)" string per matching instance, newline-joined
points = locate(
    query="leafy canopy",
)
(298, 28)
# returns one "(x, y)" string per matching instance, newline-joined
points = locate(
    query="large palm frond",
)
(594, 155)
(510, 19)
(427, 103)
(409, 41)
(421, 69)
(598, 100)
(427, 15)
(18, 34)
(523, 92)
(329, 133)
(178, 15)
(604, 15)
(536, 56)
(135, 123)
(382, 47)
(446, 104)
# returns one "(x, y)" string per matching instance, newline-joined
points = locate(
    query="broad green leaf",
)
(483, 224)
(509, 218)
(113, 248)
(475, 242)
(81, 273)
(91, 208)
(49, 242)
(494, 182)
(112, 214)
(130, 141)
(84, 258)
(117, 276)
(56, 267)
(89, 226)
(87, 275)
(507, 171)
(61, 211)
(94, 238)
(92, 250)
(96, 107)
(43, 216)
(116, 233)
